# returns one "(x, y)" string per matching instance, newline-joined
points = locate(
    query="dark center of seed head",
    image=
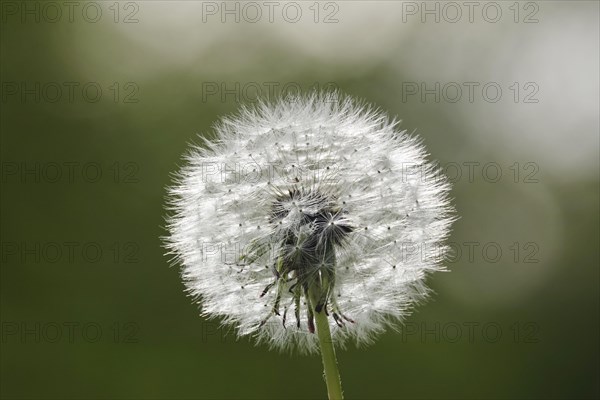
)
(328, 221)
(315, 225)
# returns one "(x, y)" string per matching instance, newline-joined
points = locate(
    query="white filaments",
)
(303, 190)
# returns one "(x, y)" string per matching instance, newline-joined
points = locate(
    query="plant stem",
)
(318, 292)
(332, 374)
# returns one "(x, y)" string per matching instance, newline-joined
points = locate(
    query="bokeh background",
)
(101, 99)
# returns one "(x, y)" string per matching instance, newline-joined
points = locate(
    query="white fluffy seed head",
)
(285, 179)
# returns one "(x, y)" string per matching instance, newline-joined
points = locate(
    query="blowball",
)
(308, 204)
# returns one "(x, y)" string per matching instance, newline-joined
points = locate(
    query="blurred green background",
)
(99, 105)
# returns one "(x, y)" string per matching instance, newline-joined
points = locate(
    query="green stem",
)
(330, 367)
(332, 374)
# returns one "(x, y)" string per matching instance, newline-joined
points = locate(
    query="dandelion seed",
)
(329, 217)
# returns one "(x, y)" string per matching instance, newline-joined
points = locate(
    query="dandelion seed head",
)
(317, 187)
